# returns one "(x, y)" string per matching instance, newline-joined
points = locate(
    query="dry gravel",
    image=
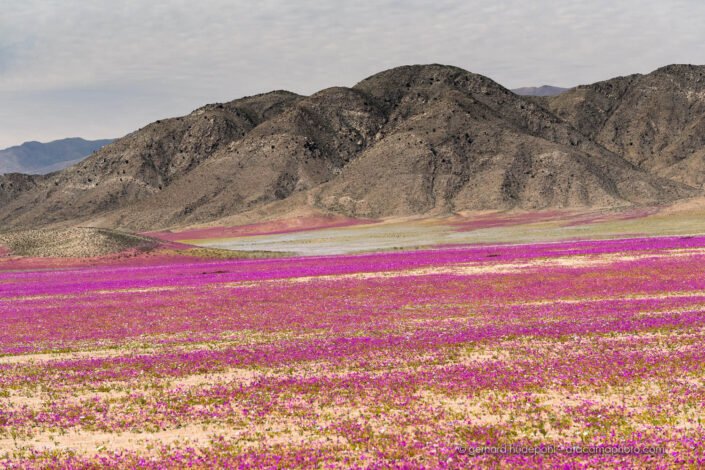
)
(76, 242)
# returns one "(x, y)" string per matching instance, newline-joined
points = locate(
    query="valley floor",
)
(330, 236)
(429, 358)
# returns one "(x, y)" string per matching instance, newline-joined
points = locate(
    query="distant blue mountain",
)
(38, 159)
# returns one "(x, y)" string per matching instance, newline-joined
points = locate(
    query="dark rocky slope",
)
(655, 121)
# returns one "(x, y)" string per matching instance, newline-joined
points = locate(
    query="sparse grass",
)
(218, 253)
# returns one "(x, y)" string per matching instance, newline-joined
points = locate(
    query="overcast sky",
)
(102, 68)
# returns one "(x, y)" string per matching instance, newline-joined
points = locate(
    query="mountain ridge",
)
(656, 120)
(413, 140)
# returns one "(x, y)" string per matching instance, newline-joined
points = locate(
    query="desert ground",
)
(333, 236)
(396, 344)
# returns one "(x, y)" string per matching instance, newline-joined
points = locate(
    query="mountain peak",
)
(680, 69)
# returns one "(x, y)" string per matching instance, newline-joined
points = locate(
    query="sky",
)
(103, 68)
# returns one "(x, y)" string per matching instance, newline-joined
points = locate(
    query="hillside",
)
(41, 158)
(76, 242)
(413, 140)
(655, 121)
(14, 184)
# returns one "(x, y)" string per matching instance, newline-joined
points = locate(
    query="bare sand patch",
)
(195, 435)
(585, 300)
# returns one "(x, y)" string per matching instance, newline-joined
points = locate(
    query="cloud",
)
(68, 67)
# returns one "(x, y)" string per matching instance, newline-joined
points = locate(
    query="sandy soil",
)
(471, 228)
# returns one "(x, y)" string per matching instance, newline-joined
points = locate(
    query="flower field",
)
(585, 354)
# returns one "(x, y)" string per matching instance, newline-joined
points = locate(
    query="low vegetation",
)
(403, 360)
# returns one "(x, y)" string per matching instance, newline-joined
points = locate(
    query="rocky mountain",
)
(41, 158)
(12, 185)
(655, 121)
(413, 140)
(544, 90)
